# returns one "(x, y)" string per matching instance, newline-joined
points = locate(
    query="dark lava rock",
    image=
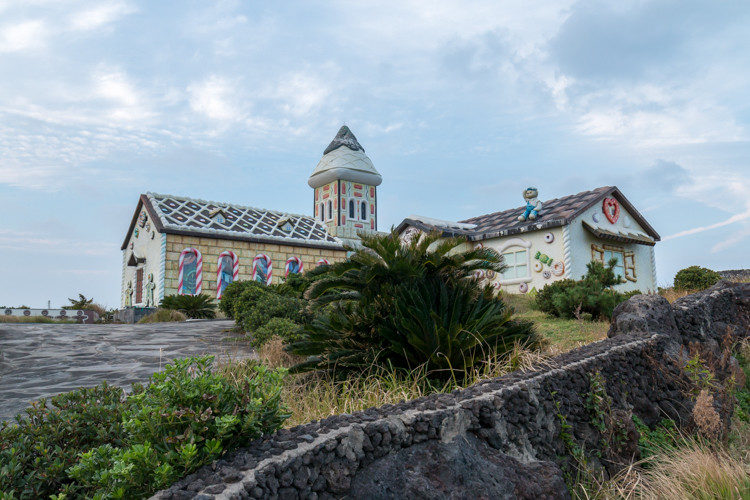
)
(464, 468)
(711, 314)
(643, 313)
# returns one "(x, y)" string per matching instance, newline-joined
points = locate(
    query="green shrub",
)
(193, 306)
(257, 306)
(232, 292)
(163, 316)
(405, 306)
(695, 278)
(44, 441)
(284, 328)
(592, 295)
(187, 416)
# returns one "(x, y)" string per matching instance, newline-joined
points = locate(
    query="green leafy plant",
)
(284, 328)
(257, 306)
(44, 441)
(695, 278)
(193, 306)
(232, 292)
(80, 303)
(593, 295)
(408, 305)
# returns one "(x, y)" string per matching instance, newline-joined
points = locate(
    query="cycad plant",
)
(193, 306)
(407, 305)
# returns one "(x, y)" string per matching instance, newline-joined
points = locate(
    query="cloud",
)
(213, 98)
(99, 16)
(301, 93)
(25, 241)
(23, 36)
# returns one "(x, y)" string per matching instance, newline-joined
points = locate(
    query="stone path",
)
(40, 360)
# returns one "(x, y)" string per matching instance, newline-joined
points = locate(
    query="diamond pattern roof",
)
(195, 216)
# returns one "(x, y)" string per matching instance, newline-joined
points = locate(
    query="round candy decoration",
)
(558, 268)
(523, 287)
(479, 274)
(538, 267)
(547, 274)
(611, 209)
(595, 217)
(136, 232)
(549, 238)
(490, 274)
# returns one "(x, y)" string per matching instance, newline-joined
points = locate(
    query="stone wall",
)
(510, 437)
(246, 251)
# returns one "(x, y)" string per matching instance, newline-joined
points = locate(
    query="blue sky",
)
(460, 105)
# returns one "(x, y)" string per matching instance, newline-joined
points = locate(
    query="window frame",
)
(628, 259)
(298, 261)
(506, 247)
(198, 271)
(269, 276)
(235, 270)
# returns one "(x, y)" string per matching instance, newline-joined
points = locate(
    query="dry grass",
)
(163, 316)
(672, 294)
(33, 319)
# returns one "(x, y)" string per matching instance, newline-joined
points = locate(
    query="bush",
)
(44, 441)
(232, 292)
(695, 278)
(284, 328)
(94, 443)
(163, 316)
(193, 306)
(592, 295)
(257, 306)
(405, 306)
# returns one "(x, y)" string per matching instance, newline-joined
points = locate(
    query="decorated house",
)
(546, 241)
(180, 245)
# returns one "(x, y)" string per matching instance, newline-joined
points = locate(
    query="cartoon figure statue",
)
(533, 205)
(150, 286)
(129, 294)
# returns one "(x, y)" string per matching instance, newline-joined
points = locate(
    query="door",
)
(139, 286)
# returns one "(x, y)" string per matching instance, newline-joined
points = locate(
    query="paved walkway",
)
(40, 360)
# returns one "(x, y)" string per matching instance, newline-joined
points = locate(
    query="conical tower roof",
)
(345, 159)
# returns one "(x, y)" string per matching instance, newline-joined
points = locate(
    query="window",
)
(191, 272)
(227, 271)
(351, 209)
(625, 259)
(330, 210)
(293, 266)
(518, 264)
(364, 211)
(262, 268)
(322, 215)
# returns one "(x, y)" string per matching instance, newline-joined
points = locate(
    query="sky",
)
(460, 105)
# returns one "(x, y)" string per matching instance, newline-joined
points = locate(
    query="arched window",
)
(190, 281)
(516, 253)
(323, 262)
(293, 266)
(262, 268)
(351, 209)
(330, 210)
(364, 210)
(227, 271)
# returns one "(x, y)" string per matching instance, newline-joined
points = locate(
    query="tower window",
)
(351, 209)
(322, 213)
(330, 210)
(364, 210)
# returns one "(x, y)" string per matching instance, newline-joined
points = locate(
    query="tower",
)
(345, 183)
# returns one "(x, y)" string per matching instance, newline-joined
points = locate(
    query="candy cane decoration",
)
(323, 262)
(198, 270)
(288, 266)
(235, 270)
(269, 269)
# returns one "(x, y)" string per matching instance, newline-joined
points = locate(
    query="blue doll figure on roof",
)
(533, 205)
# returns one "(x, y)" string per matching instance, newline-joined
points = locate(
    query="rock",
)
(643, 313)
(463, 468)
(712, 314)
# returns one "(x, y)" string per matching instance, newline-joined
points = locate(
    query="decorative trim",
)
(567, 257)
(323, 262)
(653, 268)
(289, 261)
(198, 271)
(255, 267)
(235, 269)
(162, 265)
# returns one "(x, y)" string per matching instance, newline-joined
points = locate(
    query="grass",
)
(33, 319)
(163, 316)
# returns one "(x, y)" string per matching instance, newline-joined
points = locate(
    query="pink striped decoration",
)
(235, 269)
(198, 270)
(323, 262)
(289, 261)
(270, 266)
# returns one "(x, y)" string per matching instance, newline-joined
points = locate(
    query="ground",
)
(41, 360)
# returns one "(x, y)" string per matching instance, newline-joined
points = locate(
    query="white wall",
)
(148, 244)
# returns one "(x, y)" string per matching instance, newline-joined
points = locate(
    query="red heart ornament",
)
(611, 209)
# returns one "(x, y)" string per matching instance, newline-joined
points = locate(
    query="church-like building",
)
(180, 245)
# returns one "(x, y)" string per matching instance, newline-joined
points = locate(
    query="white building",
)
(570, 232)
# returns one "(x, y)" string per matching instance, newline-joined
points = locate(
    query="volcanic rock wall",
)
(510, 437)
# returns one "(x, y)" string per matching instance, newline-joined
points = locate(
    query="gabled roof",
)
(555, 212)
(192, 217)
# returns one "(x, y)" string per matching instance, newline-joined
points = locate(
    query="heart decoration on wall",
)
(611, 209)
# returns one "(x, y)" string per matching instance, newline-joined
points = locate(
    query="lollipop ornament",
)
(533, 205)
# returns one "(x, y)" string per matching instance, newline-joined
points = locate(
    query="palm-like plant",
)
(193, 306)
(408, 304)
